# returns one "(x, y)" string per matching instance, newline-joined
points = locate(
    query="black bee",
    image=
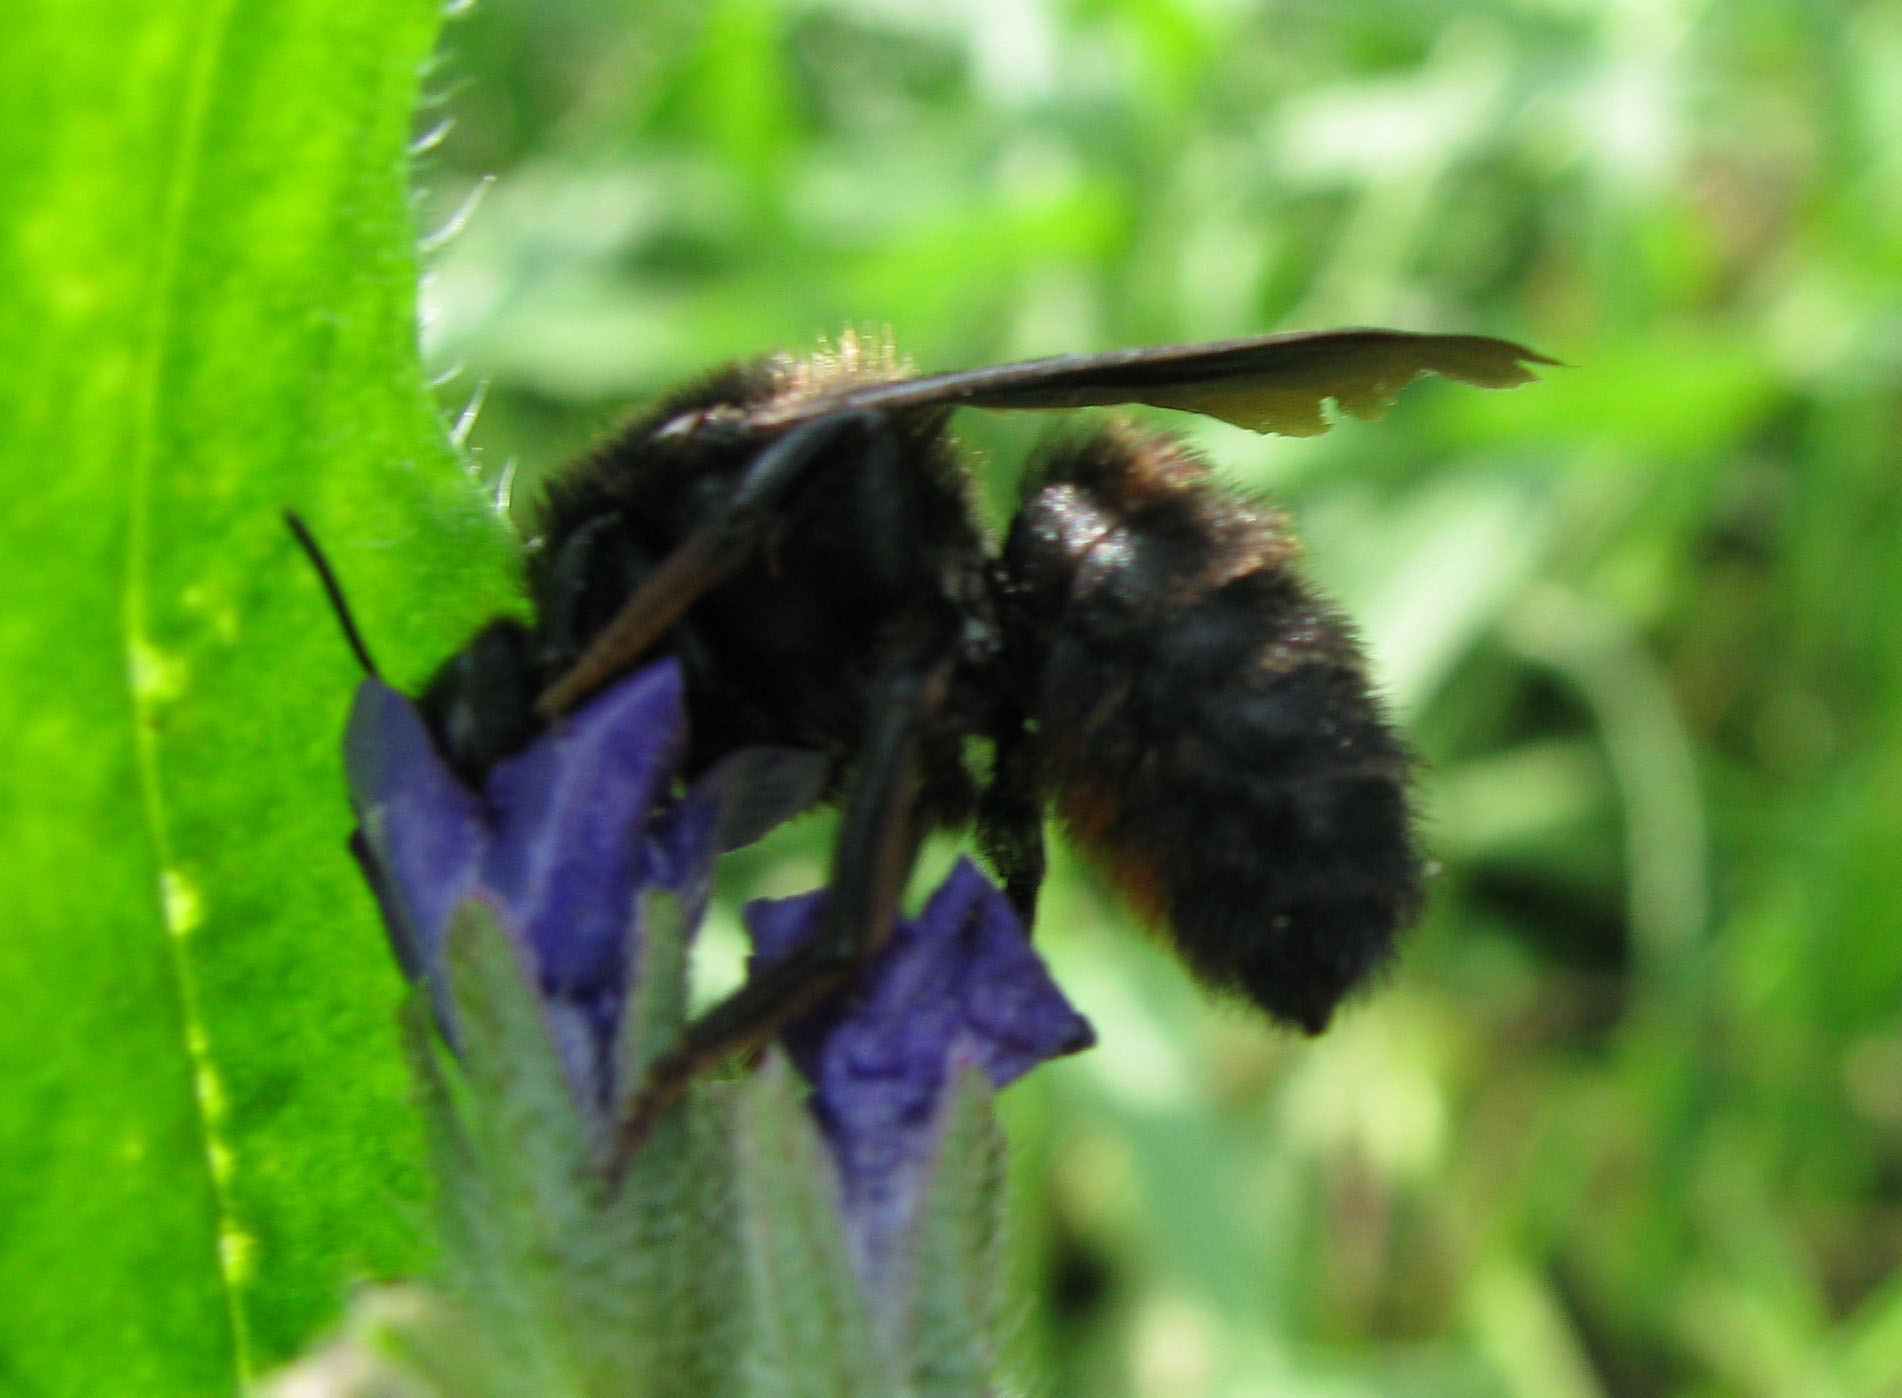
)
(1141, 652)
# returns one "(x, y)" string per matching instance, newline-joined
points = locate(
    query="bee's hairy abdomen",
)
(1208, 728)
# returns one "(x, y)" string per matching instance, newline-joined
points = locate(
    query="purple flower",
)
(561, 841)
(959, 985)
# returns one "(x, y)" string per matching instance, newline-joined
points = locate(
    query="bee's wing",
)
(1268, 383)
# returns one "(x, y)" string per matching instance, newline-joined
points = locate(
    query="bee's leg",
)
(1010, 820)
(875, 849)
(708, 555)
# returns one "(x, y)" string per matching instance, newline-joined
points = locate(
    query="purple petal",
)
(960, 984)
(560, 847)
(570, 812)
(1014, 1015)
(681, 845)
(964, 974)
(421, 833)
(777, 925)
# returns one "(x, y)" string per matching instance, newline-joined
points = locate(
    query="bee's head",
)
(480, 706)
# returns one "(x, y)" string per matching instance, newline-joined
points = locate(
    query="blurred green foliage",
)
(1629, 1116)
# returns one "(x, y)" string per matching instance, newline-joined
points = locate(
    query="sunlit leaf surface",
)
(206, 294)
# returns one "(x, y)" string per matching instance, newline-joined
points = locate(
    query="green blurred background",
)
(1628, 1117)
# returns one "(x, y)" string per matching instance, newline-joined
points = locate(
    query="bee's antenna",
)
(329, 579)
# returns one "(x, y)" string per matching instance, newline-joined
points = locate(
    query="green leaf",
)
(809, 1320)
(573, 1288)
(953, 1344)
(512, 1152)
(206, 304)
(659, 1267)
